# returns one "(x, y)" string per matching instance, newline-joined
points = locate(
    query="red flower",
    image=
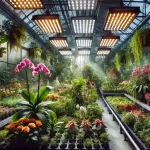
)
(88, 82)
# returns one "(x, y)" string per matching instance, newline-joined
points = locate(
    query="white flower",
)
(77, 106)
(82, 109)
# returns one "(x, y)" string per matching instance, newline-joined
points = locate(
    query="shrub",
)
(94, 111)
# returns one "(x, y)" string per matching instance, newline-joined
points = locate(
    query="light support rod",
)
(26, 4)
(48, 23)
(103, 51)
(109, 41)
(119, 18)
(82, 4)
(83, 24)
(83, 42)
(84, 51)
(59, 42)
(65, 52)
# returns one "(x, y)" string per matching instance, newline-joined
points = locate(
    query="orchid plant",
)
(33, 105)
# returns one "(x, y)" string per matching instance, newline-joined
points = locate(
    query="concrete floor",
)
(117, 139)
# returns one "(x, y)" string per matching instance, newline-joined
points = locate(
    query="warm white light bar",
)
(83, 24)
(84, 52)
(109, 41)
(26, 4)
(65, 52)
(82, 4)
(83, 42)
(119, 18)
(59, 42)
(48, 23)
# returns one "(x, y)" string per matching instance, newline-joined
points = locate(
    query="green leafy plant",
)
(104, 138)
(46, 56)
(3, 38)
(3, 134)
(139, 124)
(34, 51)
(128, 58)
(45, 139)
(53, 143)
(88, 143)
(94, 111)
(137, 43)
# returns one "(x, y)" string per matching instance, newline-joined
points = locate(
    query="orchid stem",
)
(38, 85)
(27, 83)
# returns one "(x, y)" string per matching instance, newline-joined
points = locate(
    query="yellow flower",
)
(26, 129)
(38, 123)
(32, 125)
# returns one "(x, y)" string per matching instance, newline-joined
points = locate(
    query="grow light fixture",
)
(103, 51)
(82, 4)
(109, 41)
(83, 24)
(84, 41)
(84, 51)
(59, 42)
(100, 57)
(65, 52)
(119, 18)
(48, 23)
(26, 4)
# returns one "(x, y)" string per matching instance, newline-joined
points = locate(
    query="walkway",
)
(117, 139)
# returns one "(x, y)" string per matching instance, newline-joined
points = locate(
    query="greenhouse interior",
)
(75, 74)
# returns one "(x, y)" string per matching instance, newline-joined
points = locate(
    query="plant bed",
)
(130, 131)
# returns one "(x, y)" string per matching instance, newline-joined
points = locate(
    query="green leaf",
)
(25, 103)
(43, 104)
(140, 88)
(20, 114)
(34, 138)
(43, 92)
(28, 96)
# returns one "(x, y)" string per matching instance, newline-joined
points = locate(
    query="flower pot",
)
(105, 146)
(80, 146)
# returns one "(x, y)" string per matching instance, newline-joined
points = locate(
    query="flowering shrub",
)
(26, 128)
(147, 96)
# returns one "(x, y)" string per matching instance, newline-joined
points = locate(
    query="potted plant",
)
(104, 139)
(45, 140)
(96, 143)
(80, 138)
(139, 40)
(2, 51)
(88, 143)
(15, 32)
(34, 51)
(53, 143)
(86, 127)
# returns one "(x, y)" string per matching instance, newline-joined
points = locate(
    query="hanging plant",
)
(139, 40)
(127, 58)
(2, 51)
(3, 38)
(34, 51)
(117, 61)
(16, 33)
(46, 56)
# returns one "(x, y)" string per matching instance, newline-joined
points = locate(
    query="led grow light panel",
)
(109, 41)
(84, 52)
(83, 24)
(103, 51)
(83, 41)
(48, 23)
(26, 4)
(119, 18)
(65, 52)
(59, 42)
(82, 4)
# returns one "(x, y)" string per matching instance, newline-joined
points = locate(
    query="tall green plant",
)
(117, 61)
(138, 40)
